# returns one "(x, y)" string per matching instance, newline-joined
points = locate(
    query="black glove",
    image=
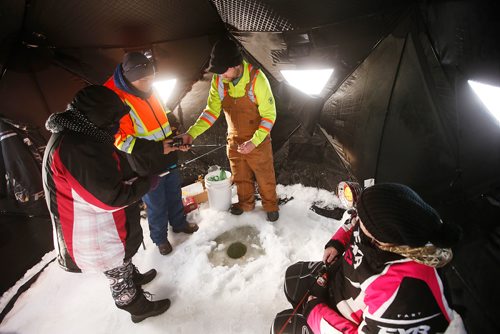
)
(320, 287)
(318, 290)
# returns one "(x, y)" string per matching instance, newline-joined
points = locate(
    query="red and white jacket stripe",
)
(88, 187)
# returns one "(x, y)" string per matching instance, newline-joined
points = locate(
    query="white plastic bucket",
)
(219, 192)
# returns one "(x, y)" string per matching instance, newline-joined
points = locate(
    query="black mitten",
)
(320, 287)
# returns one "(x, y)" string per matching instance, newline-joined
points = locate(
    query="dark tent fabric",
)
(412, 136)
(411, 120)
(94, 24)
(398, 107)
(46, 87)
(23, 242)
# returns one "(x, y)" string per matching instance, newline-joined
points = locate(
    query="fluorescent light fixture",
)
(164, 88)
(489, 95)
(308, 81)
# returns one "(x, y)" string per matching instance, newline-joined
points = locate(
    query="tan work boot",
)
(165, 248)
(189, 228)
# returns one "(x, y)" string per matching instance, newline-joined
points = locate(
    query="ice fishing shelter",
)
(398, 106)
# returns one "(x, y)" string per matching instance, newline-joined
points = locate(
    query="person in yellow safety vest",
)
(144, 133)
(244, 93)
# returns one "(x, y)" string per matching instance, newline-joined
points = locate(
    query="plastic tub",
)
(219, 192)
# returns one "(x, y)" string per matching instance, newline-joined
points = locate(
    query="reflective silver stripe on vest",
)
(251, 94)
(139, 127)
(157, 134)
(266, 124)
(141, 131)
(220, 88)
(126, 146)
(211, 118)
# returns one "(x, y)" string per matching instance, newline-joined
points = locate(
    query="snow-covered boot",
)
(141, 308)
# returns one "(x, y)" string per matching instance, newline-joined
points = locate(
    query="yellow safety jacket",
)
(259, 93)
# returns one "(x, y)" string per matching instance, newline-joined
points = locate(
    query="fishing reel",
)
(177, 142)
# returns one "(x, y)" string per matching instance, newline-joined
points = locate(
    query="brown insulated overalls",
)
(243, 120)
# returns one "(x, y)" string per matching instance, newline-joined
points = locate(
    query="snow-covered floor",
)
(205, 298)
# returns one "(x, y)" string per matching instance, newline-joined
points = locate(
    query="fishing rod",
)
(207, 145)
(182, 165)
(177, 142)
(319, 278)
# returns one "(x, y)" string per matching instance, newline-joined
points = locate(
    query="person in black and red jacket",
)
(92, 195)
(381, 275)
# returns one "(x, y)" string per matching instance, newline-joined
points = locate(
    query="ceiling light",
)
(164, 88)
(308, 81)
(489, 95)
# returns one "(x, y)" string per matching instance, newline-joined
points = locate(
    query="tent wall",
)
(32, 87)
(465, 36)
(391, 99)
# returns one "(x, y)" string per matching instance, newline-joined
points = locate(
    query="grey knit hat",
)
(136, 66)
(394, 213)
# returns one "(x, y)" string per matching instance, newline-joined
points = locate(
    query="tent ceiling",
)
(125, 23)
(286, 15)
(341, 46)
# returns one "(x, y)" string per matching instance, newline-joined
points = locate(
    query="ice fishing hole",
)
(239, 245)
(236, 250)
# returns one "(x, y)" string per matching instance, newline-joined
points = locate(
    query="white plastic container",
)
(219, 192)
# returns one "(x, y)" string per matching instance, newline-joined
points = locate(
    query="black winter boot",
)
(141, 279)
(273, 216)
(235, 210)
(140, 308)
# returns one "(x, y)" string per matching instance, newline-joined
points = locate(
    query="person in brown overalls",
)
(244, 93)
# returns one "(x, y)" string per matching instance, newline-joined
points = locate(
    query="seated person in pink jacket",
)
(385, 278)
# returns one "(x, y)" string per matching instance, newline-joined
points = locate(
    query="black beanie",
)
(393, 213)
(136, 66)
(100, 104)
(225, 54)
